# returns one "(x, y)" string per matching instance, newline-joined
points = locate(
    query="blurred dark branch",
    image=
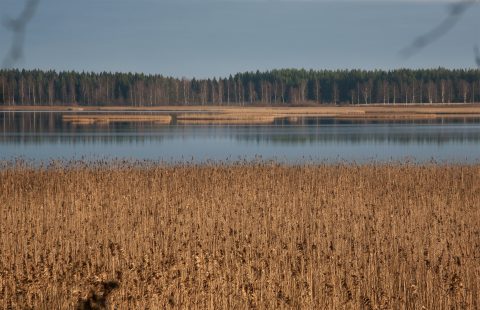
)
(477, 55)
(455, 12)
(18, 26)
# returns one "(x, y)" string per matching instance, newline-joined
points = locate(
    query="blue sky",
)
(215, 38)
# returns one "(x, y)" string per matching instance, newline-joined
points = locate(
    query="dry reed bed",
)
(225, 118)
(112, 118)
(257, 121)
(442, 109)
(266, 115)
(240, 236)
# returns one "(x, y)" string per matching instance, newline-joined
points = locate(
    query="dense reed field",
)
(255, 235)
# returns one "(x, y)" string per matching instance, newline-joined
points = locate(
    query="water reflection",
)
(45, 135)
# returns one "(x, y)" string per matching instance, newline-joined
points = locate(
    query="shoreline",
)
(255, 114)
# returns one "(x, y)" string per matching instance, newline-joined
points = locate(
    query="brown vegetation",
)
(240, 236)
(225, 118)
(255, 115)
(267, 115)
(113, 118)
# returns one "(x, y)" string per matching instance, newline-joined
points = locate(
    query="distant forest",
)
(276, 87)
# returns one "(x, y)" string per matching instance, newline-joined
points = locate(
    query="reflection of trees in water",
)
(359, 138)
(80, 139)
(257, 138)
(41, 122)
(320, 121)
(51, 122)
(37, 128)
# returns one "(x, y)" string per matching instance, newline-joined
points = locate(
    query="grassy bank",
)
(241, 235)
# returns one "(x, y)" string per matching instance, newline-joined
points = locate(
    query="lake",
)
(45, 136)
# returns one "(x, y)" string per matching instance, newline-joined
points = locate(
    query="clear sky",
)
(204, 38)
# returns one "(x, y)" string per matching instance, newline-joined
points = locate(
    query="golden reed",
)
(253, 235)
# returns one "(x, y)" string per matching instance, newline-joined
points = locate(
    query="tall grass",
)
(132, 236)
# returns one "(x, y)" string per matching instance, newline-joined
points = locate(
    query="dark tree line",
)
(276, 87)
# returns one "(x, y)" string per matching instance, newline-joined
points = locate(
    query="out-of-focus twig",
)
(455, 12)
(477, 55)
(17, 26)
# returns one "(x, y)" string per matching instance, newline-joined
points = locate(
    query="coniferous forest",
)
(276, 87)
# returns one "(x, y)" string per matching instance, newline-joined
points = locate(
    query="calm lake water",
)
(43, 136)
